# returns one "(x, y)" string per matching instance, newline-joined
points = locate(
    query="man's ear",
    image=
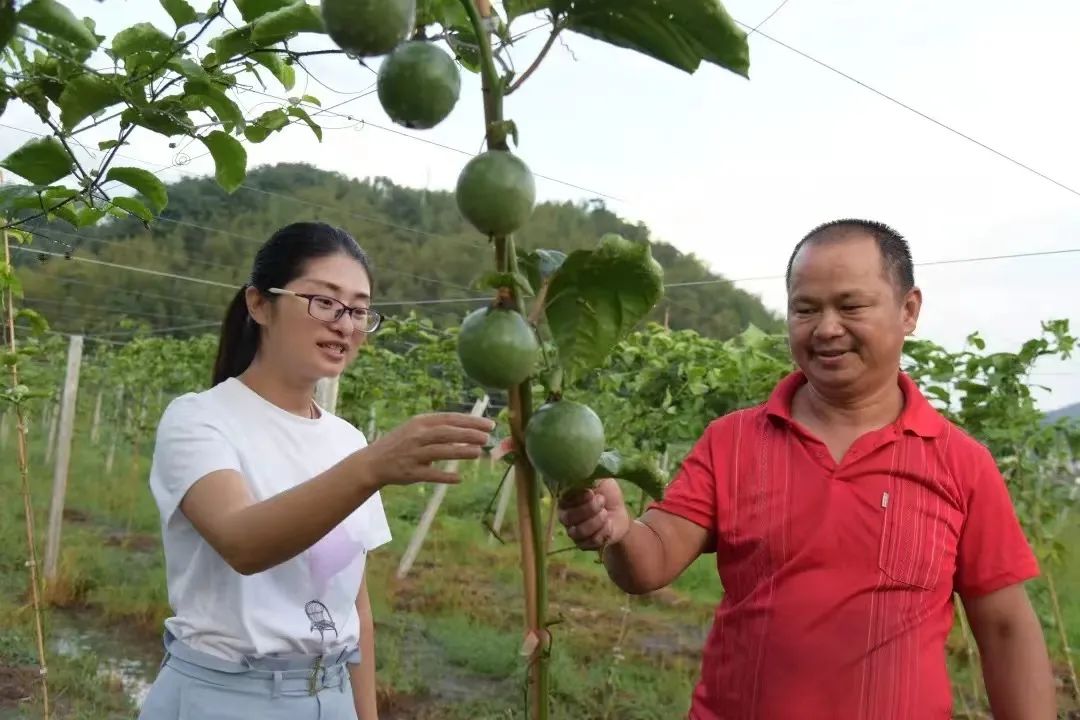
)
(911, 308)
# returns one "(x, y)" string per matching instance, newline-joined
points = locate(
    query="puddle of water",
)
(134, 675)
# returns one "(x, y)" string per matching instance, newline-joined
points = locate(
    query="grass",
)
(448, 635)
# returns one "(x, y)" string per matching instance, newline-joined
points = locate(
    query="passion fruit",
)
(418, 85)
(366, 28)
(496, 192)
(497, 347)
(564, 440)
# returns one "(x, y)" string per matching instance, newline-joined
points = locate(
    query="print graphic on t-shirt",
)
(321, 619)
(332, 554)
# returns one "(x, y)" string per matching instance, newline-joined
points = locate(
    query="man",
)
(843, 513)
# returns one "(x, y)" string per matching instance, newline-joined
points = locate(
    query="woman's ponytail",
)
(238, 342)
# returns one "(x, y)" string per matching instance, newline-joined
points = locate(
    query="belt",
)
(280, 674)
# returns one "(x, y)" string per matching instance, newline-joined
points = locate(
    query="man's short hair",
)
(895, 253)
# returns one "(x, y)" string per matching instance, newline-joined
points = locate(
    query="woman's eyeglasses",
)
(329, 309)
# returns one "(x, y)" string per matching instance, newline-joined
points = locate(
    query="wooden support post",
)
(95, 426)
(326, 394)
(503, 502)
(432, 508)
(63, 455)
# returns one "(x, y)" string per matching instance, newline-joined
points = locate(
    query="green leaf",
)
(495, 280)
(64, 212)
(190, 69)
(134, 207)
(254, 9)
(141, 37)
(207, 95)
(297, 17)
(299, 112)
(269, 122)
(42, 161)
(228, 45)
(164, 118)
(89, 216)
(181, 13)
(635, 469)
(85, 95)
(285, 74)
(144, 182)
(517, 8)
(596, 297)
(53, 18)
(311, 100)
(108, 144)
(7, 24)
(681, 33)
(230, 159)
(19, 197)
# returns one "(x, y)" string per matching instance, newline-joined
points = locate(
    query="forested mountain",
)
(421, 247)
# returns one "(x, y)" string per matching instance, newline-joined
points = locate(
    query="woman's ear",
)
(258, 305)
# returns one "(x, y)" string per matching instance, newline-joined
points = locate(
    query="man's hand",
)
(594, 518)
(1016, 664)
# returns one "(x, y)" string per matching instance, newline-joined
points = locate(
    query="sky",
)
(735, 170)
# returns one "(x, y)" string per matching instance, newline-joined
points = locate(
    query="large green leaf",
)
(285, 74)
(596, 297)
(297, 17)
(53, 18)
(141, 37)
(18, 197)
(165, 117)
(41, 161)
(144, 182)
(228, 45)
(181, 13)
(204, 94)
(134, 207)
(634, 469)
(85, 95)
(681, 33)
(230, 159)
(254, 9)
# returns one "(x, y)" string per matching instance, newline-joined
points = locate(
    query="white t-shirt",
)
(304, 605)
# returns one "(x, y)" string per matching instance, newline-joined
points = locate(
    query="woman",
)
(269, 504)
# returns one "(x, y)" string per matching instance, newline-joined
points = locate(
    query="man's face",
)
(847, 319)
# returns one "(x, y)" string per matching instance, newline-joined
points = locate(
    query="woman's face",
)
(307, 347)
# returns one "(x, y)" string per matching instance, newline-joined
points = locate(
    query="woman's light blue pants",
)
(192, 685)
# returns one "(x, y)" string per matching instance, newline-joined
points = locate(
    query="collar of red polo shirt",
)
(918, 415)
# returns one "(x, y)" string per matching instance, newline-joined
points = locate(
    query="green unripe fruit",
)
(497, 347)
(418, 85)
(564, 441)
(496, 192)
(366, 28)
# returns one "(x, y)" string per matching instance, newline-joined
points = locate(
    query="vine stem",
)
(532, 546)
(24, 474)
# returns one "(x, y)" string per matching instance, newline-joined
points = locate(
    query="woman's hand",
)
(406, 454)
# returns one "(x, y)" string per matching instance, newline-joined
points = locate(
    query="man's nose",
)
(829, 326)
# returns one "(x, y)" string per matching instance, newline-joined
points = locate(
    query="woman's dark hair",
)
(279, 261)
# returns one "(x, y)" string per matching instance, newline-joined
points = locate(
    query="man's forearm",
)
(1017, 673)
(637, 562)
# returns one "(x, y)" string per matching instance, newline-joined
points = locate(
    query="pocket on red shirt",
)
(919, 531)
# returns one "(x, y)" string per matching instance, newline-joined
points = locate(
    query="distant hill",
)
(1069, 411)
(421, 247)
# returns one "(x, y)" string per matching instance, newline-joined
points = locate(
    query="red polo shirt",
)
(838, 577)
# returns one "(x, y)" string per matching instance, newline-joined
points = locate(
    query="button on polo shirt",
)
(838, 576)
